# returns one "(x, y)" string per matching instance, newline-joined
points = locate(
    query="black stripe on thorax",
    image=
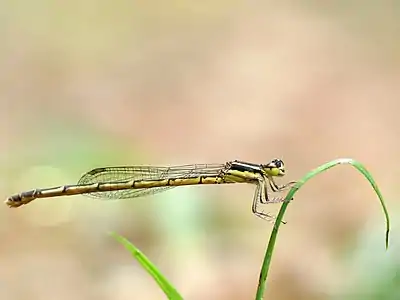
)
(245, 167)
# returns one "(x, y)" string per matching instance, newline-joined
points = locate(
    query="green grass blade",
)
(167, 287)
(279, 218)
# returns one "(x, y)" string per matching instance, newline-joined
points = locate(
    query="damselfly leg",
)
(261, 196)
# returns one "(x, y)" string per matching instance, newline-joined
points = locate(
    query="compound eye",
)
(278, 163)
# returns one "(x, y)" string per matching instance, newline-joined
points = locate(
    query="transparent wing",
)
(129, 173)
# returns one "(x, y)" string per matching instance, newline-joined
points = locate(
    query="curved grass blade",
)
(289, 196)
(165, 285)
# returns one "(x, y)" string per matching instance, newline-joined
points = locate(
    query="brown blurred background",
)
(99, 83)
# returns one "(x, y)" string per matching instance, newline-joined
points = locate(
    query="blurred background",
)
(100, 83)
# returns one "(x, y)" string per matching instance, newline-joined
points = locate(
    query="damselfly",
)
(137, 181)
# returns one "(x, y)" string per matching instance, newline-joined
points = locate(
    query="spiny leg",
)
(277, 188)
(256, 201)
(264, 198)
(259, 198)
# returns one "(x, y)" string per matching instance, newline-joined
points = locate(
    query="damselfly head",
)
(275, 168)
